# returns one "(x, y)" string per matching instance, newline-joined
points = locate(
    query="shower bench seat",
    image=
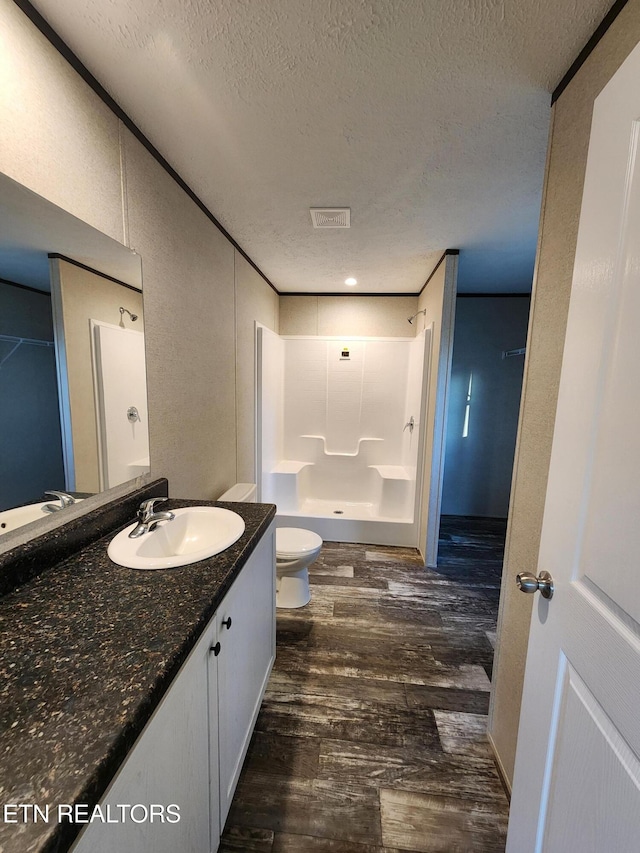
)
(393, 472)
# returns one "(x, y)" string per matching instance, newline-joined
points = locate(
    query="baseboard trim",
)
(506, 784)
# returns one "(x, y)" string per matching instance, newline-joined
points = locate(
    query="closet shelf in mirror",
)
(12, 339)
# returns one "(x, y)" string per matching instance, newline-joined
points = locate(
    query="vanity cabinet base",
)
(174, 790)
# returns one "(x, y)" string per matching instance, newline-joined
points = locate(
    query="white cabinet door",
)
(247, 653)
(167, 766)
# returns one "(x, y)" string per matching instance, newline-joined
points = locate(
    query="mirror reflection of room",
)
(73, 405)
(31, 458)
(100, 349)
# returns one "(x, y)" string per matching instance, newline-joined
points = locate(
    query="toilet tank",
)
(240, 493)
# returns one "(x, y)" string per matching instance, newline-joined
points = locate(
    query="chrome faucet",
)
(63, 497)
(148, 518)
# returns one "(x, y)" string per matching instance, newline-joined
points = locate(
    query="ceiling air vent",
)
(330, 217)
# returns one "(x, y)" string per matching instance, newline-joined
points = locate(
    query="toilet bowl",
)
(296, 550)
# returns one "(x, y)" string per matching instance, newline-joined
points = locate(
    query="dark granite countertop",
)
(87, 650)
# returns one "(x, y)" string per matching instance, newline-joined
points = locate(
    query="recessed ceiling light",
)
(351, 281)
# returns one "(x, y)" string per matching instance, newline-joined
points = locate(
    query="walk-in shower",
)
(340, 426)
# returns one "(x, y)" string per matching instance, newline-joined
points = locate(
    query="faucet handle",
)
(411, 423)
(146, 509)
(63, 497)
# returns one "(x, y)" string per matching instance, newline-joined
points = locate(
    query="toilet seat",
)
(293, 543)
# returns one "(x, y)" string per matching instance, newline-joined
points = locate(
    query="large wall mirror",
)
(73, 404)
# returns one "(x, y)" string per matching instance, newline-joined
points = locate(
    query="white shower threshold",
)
(346, 509)
(353, 522)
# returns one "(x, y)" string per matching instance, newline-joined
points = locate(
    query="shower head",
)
(134, 317)
(413, 316)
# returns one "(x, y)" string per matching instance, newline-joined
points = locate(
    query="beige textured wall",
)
(62, 142)
(566, 164)
(188, 287)
(438, 300)
(86, 296)
(254, 301)
(383, 316)
(58, 138)
(431, 300)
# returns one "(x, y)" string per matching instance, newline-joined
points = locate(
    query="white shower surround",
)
(333, 453)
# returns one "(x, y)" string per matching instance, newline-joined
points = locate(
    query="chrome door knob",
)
(530, 583)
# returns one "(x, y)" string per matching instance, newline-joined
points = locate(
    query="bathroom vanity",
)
(126, 688)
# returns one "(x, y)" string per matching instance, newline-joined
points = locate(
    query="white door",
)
(577, 775)
(121, 403)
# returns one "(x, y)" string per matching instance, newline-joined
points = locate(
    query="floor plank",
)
(440, 824)
(411, 769)
(282, 755)
(246, 840)
(311, 844)
(463, 734)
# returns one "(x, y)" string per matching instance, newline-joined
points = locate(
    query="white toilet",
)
(296, 550)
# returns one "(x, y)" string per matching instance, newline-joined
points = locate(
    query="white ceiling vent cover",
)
(330, 217)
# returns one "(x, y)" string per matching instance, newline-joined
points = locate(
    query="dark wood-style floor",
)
(371, 736)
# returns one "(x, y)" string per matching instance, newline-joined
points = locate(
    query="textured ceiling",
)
(427, 118)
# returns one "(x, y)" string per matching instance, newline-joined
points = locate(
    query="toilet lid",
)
(295, 542)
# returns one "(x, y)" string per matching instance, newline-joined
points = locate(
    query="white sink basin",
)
(196, 532)
(12, 518)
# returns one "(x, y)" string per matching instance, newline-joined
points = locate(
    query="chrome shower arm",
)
(413, 316)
